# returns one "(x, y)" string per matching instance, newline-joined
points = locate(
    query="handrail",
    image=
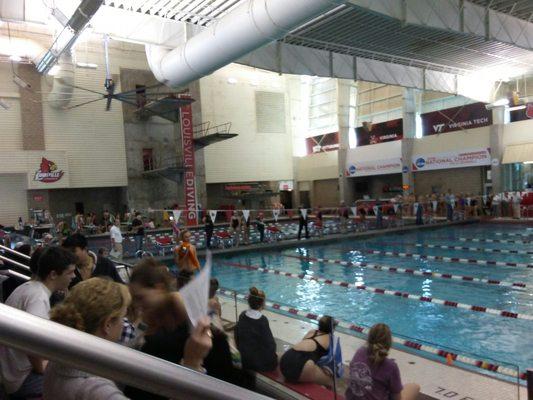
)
(18, 253)
(25, 267)
(14, 274)
(101, 357)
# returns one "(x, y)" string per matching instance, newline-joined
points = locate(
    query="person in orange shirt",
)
(185, 258)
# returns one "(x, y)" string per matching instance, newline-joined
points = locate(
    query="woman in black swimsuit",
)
(298, 364)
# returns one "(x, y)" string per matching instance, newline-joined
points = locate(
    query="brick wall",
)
(31, 109)
(459, 180)
(326, 193)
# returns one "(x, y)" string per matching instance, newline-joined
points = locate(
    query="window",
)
(148, 159)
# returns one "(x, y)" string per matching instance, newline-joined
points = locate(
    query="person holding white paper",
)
(167, 335)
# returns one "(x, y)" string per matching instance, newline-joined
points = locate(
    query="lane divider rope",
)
(478, 240)
(386, 292)
(477, 249)
(275, 307)
(515, 234)
(447, 259)
(410, 271)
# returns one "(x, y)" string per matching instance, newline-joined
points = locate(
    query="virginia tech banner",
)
(457, 118)
(187, 140)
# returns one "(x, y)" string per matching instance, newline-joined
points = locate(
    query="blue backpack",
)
(333, 360)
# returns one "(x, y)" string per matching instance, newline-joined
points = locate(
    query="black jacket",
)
(104, 267)
(256, 343)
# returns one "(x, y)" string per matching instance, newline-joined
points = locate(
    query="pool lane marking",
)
(446, 259)
(407, 343)
(410, 271)
(477, 249)
(386, 292)
(478, 240)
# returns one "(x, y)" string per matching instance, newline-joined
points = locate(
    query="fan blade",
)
(82, 104)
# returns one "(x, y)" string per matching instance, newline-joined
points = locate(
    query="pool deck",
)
(438, 381)
(288, 243)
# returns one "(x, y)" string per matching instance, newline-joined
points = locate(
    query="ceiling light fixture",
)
(86, 65)
(54, 70)
(15, 58)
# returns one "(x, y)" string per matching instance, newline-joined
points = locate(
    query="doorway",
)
(80, 209)
(285, 198)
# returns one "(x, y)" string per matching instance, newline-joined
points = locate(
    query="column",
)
(346, 102)
(411, 101)
(497, 148)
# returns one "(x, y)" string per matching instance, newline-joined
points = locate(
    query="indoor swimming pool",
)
(491, 281)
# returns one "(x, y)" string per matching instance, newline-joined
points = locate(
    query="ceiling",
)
(356, 31)
(522, 9)
(199, 12)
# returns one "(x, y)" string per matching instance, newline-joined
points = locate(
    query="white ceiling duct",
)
(246, 28)
(63, 87)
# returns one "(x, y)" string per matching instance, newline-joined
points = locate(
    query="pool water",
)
(506, 340)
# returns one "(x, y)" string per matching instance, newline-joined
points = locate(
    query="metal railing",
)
(16, 263)
(17, 253)
(101, 357)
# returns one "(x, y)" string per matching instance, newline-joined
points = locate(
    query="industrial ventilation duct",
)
(66, 39)
(253, 24)
(63, 86)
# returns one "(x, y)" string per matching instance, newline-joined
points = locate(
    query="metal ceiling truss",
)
(293, 59)
(522, 9)
(199, 12)
(357, 31)
(500, 20)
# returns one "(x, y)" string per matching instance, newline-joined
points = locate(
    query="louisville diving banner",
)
(187, 140)
(452, 159)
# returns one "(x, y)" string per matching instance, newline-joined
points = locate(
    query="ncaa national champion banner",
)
(452, 159)
(187, 140)
(374, 167)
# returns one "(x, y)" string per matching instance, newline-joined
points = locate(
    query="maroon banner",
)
(455, 119)
(187, 140)
(523, 114)
(322, 143)
(378, 133)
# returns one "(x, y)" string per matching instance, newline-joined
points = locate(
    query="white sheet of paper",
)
(195, 294)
